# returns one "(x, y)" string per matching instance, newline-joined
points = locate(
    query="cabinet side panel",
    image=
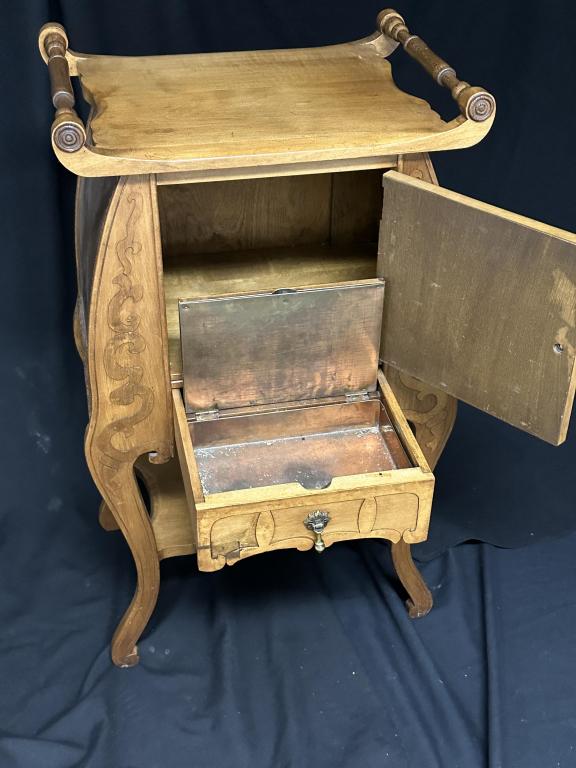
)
(131, 411)
(93, 198)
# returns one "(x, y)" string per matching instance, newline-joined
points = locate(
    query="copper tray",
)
(306, 445)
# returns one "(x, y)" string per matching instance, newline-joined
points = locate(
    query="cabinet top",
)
(223, 111)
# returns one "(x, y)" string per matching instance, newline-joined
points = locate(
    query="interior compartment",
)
(265, 234)
(305, 445)
(229, 250)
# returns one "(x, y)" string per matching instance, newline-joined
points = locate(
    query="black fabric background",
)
(288, 659)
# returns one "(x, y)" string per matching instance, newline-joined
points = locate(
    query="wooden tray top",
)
(200, 112)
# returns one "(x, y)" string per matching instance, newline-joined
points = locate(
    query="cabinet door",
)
(480, 303)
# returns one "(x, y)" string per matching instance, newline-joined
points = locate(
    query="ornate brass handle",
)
(316, 522)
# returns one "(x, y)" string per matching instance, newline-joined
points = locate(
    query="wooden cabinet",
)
(279, 307)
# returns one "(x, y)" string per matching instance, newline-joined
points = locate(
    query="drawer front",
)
(234, 533)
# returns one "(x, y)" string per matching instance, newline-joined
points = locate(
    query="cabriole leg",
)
(136, 527)
(124, 504)
(419, 601)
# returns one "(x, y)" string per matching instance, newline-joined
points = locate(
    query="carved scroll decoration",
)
(432, 414)
(126, 339)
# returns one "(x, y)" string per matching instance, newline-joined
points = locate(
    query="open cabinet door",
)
(480, 303)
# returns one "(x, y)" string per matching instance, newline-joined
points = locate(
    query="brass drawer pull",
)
(316, 522)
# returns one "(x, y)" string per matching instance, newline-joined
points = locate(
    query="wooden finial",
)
(68, 132)
(474, 102)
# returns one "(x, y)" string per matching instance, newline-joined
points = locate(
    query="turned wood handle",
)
(474, 102)
(68, 132)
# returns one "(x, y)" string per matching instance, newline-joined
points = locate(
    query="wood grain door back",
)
(480, 303)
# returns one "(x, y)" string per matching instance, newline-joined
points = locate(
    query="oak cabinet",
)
(278, 307)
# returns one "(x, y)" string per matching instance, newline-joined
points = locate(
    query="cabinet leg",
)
(419, 601)
(125, 505)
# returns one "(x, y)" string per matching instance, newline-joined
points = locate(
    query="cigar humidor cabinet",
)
(279, 307)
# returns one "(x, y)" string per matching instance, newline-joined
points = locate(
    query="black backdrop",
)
(65, 582)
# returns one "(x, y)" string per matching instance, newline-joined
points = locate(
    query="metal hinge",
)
(207, 415)
(354, 397)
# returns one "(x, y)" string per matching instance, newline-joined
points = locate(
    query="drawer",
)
(234, 524)
(233, 533)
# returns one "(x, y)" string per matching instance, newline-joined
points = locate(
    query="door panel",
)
(480, 303)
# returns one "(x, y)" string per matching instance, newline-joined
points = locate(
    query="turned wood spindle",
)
(68, 132)
(474, 102)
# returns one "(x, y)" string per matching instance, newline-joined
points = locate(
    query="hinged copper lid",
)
(292, 344)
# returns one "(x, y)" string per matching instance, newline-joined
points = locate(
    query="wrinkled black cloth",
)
(292, 659)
